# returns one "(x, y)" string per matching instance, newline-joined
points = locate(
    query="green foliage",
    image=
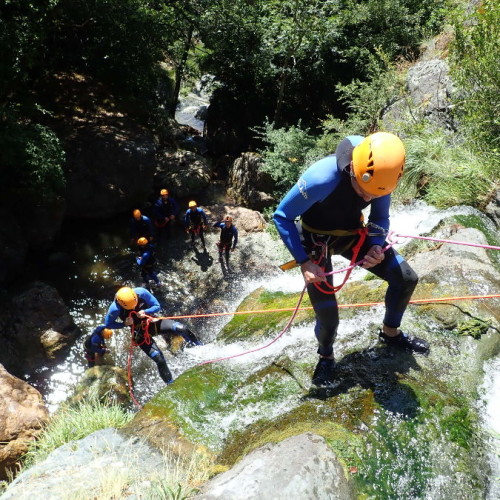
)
(443, 172)
(475, 55)
(31, 160)
(75, 422)
(287, 155)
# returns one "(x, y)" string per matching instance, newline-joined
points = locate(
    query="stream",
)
(193, 282)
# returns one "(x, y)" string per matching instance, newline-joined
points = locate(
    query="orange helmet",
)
(378, 162)
(164, 192)
(107, 333)
(137, 214)
(142, 241)
(228, 219)
(192, 204)
(127, 298)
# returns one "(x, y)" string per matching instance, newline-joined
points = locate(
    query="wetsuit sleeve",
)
(111, 318)
(175, 206)
(235, 235)
(153, 306)
(219, 224)
(187, 218)
(145, 258)
(315, 184)
(157, 213)
(379, 215)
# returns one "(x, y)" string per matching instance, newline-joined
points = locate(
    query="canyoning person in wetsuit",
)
(140, 226)
(135, 307)
(165, 211)
(329, 198)
(228, 238)
(146, 260)
(195, 222)
(95, 345)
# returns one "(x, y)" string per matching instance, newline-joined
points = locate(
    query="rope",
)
(477, 245)
(391, 238)
(340, 306)
(296, 309)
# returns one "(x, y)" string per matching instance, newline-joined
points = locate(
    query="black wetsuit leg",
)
(402, 281)
(154, 352)
(167, 326)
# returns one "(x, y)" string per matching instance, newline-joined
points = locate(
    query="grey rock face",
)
(299, 468)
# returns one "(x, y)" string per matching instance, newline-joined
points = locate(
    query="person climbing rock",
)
(228, 238)
(165, 211)
(140, 226)
(95, 345)
(146, 260)
(195, 222)
(135, 307)
(329, 198)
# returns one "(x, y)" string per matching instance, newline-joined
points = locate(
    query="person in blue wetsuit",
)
(140, 226)
(147, 262)
(95, 345)
(228, 238)
(329, 198)
(195, 222)
(165, 211)
(131, 308)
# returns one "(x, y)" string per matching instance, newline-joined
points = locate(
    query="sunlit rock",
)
(22, 416)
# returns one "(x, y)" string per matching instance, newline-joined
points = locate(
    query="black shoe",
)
(324, 373)
(404, 341)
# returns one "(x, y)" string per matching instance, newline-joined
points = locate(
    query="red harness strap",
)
(330, 289)
(146, 336)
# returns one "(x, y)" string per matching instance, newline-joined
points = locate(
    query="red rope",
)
(287, 326)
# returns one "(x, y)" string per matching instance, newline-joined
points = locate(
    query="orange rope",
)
(341, 306)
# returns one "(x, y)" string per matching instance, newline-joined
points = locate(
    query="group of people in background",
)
(136, 307)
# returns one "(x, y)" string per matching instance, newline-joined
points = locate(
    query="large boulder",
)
(38, 330)
(22, 416)
(247, 185)
(182, 172)
(302, 463)
(429, 90)
(246, 220)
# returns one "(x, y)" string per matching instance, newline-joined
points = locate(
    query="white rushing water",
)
(491, 421)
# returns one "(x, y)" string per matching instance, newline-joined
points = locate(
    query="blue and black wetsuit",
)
(142, 227)
(228, 238)
(147, 302)
(194, 220)
(163, 209)
(326, 202)
(94, 344)
(147, 263)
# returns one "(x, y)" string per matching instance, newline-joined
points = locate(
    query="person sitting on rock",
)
(228, 238)
(140, 226)
(95, 345)
(135, 307)
(195, 222)
(146, 260)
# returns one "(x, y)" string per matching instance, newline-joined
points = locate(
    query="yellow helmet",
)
(164, 192)
(137, 214)
(107, 333)
(127, 298)
(142, 241)
(192, 204)
(378, 162)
